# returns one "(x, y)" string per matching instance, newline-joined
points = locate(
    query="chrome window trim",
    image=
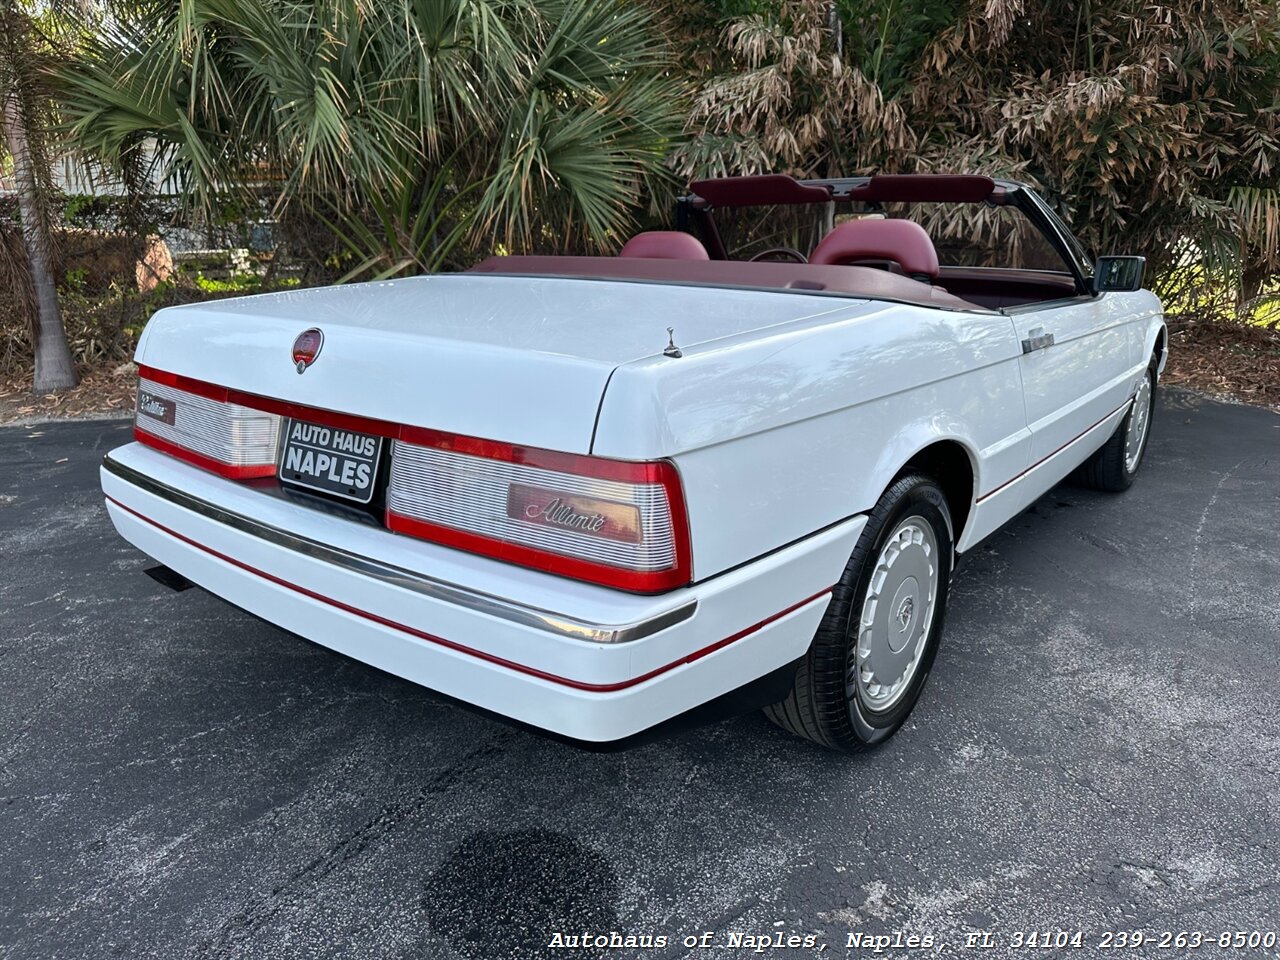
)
(518, 613)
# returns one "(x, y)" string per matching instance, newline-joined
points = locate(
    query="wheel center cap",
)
(902, 614)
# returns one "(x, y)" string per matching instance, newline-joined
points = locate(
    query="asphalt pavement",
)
(1098, 750)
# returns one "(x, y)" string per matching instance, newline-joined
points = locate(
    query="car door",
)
(1075, 368)
(1077, 352)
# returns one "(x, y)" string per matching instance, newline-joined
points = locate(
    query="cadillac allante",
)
(731, 467)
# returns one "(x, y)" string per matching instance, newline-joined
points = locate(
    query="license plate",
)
(338, 462)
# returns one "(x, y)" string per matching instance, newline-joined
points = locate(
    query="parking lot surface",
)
(1098, 750)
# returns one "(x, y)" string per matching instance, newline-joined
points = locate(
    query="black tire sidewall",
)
(925, 498)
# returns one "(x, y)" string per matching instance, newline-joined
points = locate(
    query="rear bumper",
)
(575, 659)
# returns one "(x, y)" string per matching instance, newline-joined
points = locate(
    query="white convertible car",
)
(605, 496)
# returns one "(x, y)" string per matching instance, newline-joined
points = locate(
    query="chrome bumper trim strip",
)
(427, 586)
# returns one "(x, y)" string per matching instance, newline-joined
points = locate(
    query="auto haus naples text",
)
(311, 462)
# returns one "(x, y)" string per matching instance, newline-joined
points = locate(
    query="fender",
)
(1149, 322)
(790, 430)
(1157, 337)
(912, 444)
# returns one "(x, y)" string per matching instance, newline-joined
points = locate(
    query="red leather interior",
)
(664, 245)
(903, 242)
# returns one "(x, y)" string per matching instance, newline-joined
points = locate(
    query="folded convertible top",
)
(851, 281)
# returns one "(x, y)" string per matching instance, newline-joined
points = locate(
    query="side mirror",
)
(1118, 274)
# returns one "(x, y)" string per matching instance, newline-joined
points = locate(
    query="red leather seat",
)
(664, 245)
(903, 242)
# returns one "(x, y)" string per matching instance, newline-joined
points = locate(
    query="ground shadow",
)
(503, 894)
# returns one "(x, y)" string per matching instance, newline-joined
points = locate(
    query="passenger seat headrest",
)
(664, 245)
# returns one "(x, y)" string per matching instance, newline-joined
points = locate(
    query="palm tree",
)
(411, 127)
(21, 99)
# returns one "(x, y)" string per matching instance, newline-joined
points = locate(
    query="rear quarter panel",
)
(781, 434)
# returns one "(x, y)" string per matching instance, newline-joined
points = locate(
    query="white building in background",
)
(72, 177)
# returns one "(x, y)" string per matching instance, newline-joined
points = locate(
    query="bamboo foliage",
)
(1153, 127)
(794, 105)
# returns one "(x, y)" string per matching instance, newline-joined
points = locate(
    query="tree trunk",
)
(1252, 277)
(836, 26)
(55, 370)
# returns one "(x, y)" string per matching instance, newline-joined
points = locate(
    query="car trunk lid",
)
(520, 359)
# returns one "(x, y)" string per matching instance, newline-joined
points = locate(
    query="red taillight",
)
(197, 423)
(617, 523)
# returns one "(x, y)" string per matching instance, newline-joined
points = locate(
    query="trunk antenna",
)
(672, 350)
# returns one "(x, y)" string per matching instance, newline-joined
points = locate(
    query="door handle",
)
(1038, 340)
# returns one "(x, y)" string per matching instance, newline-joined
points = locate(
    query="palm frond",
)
(554, 114)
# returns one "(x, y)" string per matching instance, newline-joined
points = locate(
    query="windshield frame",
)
(695, 214)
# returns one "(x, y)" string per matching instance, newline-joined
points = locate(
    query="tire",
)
(826, 704)
(1115, 464)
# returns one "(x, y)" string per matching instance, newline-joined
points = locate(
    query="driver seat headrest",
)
(903, 242)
